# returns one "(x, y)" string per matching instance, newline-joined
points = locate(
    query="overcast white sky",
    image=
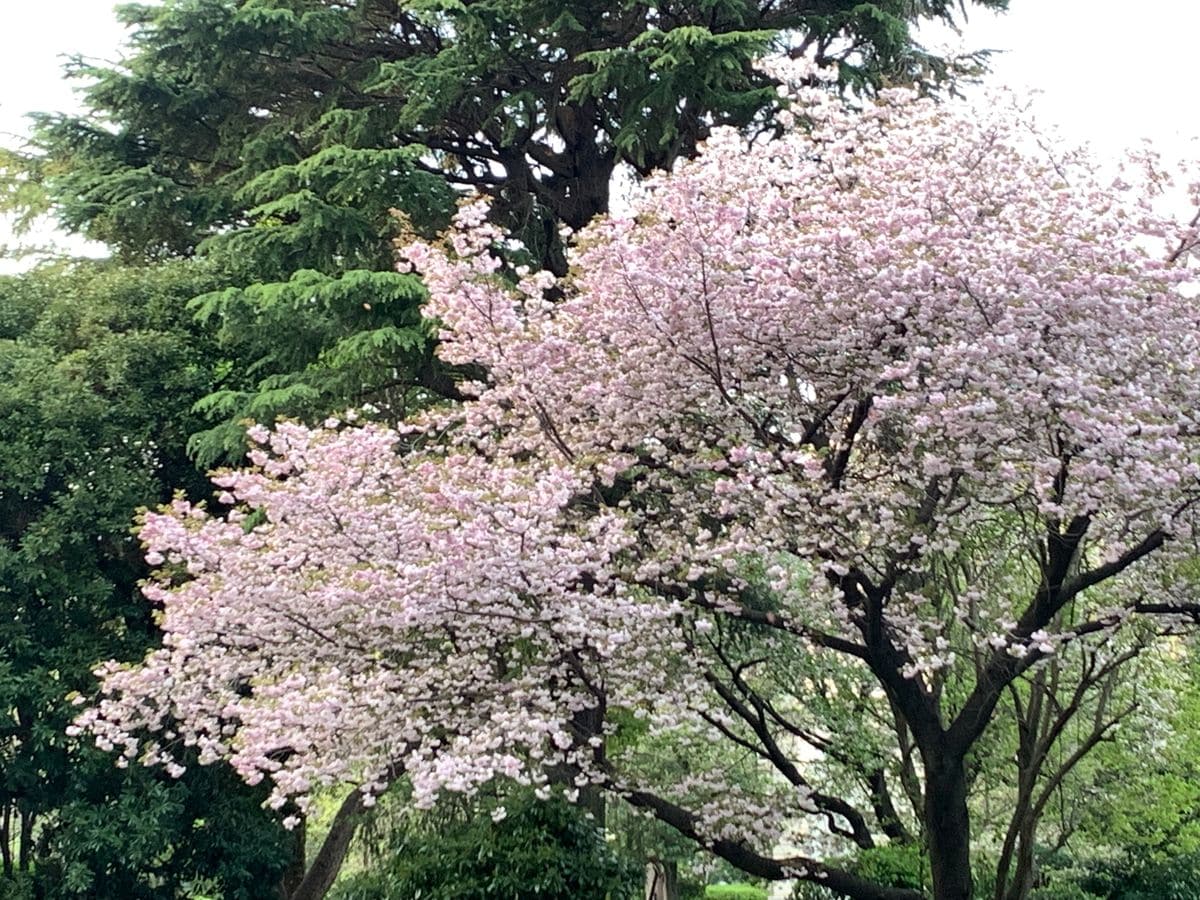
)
(35, 38)
(1110, 73)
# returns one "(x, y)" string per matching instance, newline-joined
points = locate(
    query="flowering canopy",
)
(789, 388)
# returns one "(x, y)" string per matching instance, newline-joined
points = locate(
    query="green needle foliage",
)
(302, 346)
(277, 137)
(310, 119)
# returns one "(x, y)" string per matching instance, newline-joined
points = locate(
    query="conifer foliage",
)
(279, 135)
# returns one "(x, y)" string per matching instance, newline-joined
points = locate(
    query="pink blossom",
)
(843, 357)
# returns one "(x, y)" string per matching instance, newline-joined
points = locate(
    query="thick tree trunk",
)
(948, 827)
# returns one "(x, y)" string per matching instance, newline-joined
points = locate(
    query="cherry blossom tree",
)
(905, 386)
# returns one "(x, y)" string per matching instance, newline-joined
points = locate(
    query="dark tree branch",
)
(754, 863)
(750, 710)
(772, 620)
(885, 809)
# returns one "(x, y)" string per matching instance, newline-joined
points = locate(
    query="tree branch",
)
(754, 863)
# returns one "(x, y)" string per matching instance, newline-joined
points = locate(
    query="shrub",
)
(541, 850)
(734, 892)
(894, 865)
(16, 887)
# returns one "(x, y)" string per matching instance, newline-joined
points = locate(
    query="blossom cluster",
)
(812, 369)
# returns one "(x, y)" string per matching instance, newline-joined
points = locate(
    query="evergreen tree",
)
(278, 136)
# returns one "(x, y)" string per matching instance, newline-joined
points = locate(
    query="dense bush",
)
(1168, 878)
(892, 865)
(896, 865)
(539, 850)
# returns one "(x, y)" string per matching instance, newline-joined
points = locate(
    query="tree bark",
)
(662, 880)
(948, 825)
(6, 840)
(1022, 882)
(25, 848)
(885, 808)
(328, 862)
(294, 873)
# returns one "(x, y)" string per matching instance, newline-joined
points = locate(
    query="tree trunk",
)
(294, 873)
(587, 723)
(662, 880)
(948, 827)
(6, 842)
(1022, 882)
(328, 862)
(590, 721)
(1019, 837)
(25, 848)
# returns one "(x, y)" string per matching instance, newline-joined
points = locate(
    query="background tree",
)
(279, 135)
(99, 365)
(1126, 828)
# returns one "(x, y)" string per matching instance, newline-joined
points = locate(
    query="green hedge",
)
(734, 892)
